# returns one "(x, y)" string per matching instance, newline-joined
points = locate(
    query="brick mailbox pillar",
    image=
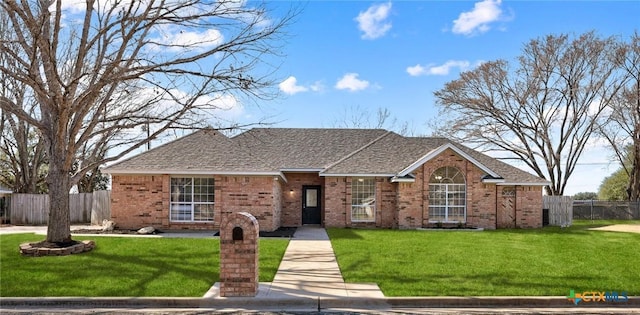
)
(239, 255)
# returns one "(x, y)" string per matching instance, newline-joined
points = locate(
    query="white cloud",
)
(478, 19)
(318, 86)
(351, 82)
(373, 21)
(443, 69)
(416, 70)
(180, 40)
(290, 86)
(75, 6)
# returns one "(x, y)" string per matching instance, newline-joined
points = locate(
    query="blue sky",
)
(394, 55)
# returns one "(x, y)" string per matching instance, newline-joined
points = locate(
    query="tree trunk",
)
(633, 188)
(59, 226)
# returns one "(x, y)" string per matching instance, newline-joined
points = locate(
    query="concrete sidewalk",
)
(309, 270)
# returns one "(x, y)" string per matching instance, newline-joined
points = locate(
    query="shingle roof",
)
(390, 154)
(201, 151)
(305, 148)
(331, 152)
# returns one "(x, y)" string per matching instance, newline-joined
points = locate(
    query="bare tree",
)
(358, 117)
(544, 111)
(622, 126)
(100, 72)
(22, 158)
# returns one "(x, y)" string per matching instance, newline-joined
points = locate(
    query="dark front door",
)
(311, 205)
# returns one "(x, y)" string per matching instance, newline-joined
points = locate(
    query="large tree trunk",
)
(59, 226)
(634, 176)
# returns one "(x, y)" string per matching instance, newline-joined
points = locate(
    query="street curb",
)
(503, 301)
(305, 303)
(296, 303)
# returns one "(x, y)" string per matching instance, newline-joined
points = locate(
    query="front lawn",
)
(124, 266)
(548, 261)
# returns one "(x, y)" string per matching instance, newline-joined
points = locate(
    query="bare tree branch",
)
(121, 65)
(543, 112)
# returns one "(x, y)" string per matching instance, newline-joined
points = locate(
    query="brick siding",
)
(141, 200)
(292, 196)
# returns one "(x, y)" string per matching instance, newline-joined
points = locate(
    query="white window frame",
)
(448, 206)
(174, 204)
(368, 208)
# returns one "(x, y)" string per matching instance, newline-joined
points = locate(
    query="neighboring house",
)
(5, 195)
(333, 177)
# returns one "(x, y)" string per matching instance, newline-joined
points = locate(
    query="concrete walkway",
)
(631, 228)
(309, 269)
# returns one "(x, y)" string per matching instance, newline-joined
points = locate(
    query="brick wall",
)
(529, 206)
(252, 194)
(292, 196)
(386, 203)
(138, 201)
(338, 203)
(413, 198)
(335, 206)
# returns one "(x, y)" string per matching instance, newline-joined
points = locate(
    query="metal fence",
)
(33, 209)
(606, 210)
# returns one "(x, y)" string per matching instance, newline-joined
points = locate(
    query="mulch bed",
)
(116, 231)
(281, 232)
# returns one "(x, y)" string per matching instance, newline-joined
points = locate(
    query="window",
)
(363, 200)
(192, 199)
(447, 196)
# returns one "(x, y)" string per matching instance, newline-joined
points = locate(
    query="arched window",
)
(447, 195)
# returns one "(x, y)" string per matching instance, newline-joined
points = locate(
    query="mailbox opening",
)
(237, 234)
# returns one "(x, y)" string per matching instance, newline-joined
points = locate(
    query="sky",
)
(359, 56)
(345, 58)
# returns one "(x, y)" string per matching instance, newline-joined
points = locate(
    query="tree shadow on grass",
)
(343, 233)
(107, 272)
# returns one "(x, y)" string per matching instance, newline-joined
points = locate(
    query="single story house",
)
(332, 177)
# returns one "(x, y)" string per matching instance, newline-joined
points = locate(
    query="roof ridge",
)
(388, 132)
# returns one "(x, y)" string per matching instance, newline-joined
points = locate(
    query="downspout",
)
(515, 205)
(496, 204)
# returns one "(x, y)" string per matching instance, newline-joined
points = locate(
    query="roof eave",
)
(493, 181)
(396, 179)
(356, 175)
(524, 184)
(302, 170)
(195, 172)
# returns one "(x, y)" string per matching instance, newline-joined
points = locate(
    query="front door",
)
(311, 205)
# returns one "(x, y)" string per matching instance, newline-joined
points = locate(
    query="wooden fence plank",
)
(33, 209)
(101, 208)
(560, 209)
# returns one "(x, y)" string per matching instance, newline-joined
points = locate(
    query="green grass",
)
(548, 261)
(123, 266)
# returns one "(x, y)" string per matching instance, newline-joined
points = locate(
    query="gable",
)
(432, 154)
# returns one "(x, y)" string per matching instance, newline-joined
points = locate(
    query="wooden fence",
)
(33, 209)
(560, 209)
